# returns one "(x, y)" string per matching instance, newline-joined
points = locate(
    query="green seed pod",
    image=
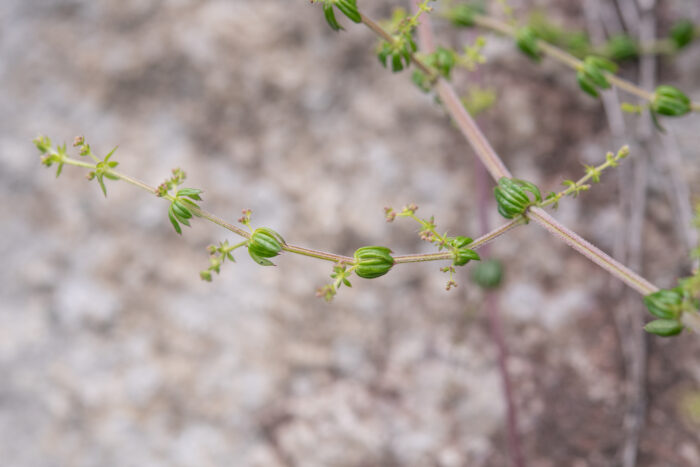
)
(511, 197)
(527, 42)
(664, 303)
(596, 76)
(462, 15)
(601, 63)
(669, 107)
(464, 255)
(383, 53)
(443, 60)
(349, 9)
(264, 243)
(420, 80)
(330, 17)
(586, 84)
(373, 261)
(622, 48)
(670, 101)
(682, 33)
(181, 210)
(591, 75)
(460, 242)
(664, 327)
(488, 274)
(396, 62)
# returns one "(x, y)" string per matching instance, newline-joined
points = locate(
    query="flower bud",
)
(373, 261)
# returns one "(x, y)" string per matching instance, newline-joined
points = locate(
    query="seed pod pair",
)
(264, 243)
(667, 305)
(462, 254)
(373, 261)
(682, 33)
(670, 101)
(591, 75)
(622, 47)
(512, 198)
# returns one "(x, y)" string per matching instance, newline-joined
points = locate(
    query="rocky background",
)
(114, 353)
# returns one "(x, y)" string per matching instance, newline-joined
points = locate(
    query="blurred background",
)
(114, 353)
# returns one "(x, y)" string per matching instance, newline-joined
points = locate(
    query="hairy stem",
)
(591, 252)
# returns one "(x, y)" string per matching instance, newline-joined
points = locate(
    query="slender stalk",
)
(299, 250)
(567, 59)
(475, 245)
(422, 258)
(318, 254)
(591, 252)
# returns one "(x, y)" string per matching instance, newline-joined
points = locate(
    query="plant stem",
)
(497, 169)
(332, 257)
(580, 183)
(567, 59)
(591, 252)
(318, 254)
(476, 244)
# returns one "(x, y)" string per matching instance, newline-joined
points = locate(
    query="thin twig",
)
(566, 58)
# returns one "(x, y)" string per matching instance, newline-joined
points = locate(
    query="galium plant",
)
(518, 201)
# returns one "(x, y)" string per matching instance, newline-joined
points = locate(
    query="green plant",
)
(518, 201)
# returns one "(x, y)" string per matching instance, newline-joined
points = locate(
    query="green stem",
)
(77, 163)
(576, 186)
(476, 244)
